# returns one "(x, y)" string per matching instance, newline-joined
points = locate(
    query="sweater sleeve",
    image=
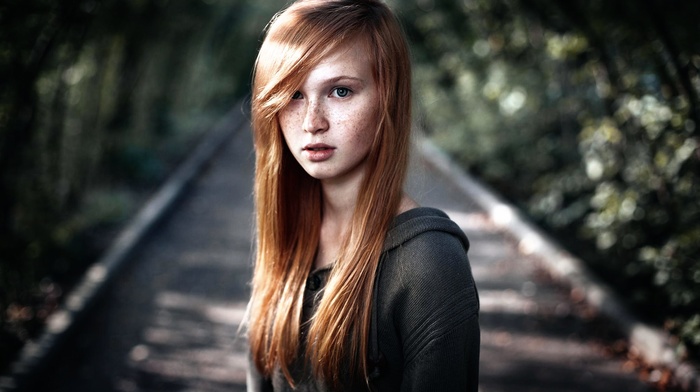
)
(437, 315)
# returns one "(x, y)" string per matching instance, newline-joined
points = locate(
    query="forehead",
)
(349, 59)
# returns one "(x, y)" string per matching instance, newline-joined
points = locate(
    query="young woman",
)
(355, 286)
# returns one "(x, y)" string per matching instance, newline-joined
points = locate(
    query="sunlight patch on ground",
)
(506, 301)
(523, 302)
(469, 221)
(225, 313)
(192, 343)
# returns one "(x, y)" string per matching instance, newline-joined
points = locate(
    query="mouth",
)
(318, 152)
(317, 147)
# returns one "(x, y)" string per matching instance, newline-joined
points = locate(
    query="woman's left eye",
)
(342, 92)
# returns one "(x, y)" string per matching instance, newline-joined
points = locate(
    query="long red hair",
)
(288, 201)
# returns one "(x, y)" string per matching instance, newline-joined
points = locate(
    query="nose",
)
(315, 118)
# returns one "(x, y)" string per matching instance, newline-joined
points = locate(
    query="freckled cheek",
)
(289, 121)
(362, 134)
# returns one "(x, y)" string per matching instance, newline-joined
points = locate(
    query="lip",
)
(318, 152)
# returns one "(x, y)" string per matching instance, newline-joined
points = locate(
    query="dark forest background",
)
(99, 100)
(584, 114)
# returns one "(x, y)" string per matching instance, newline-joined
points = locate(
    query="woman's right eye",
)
(296, 95)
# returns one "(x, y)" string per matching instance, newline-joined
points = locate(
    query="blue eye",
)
(296, 95)
(342, 92)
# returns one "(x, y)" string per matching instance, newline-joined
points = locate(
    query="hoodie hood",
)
(420, 220)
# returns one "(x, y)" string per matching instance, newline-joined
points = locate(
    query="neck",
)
(338, 205)
(339, 201)
(340, 197)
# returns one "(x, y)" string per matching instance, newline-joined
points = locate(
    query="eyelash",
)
(297, 94)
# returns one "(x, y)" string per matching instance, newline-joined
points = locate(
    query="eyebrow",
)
(342, 78)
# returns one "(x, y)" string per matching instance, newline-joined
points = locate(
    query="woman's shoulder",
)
(425, 244)
(424, 226)
(425, 272)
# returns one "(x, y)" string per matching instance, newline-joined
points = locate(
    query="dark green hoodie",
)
(425, 330)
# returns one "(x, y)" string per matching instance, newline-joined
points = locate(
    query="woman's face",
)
(330, 123)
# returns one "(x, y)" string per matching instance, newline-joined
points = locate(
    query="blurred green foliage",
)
(585, 115)
(99, 99)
